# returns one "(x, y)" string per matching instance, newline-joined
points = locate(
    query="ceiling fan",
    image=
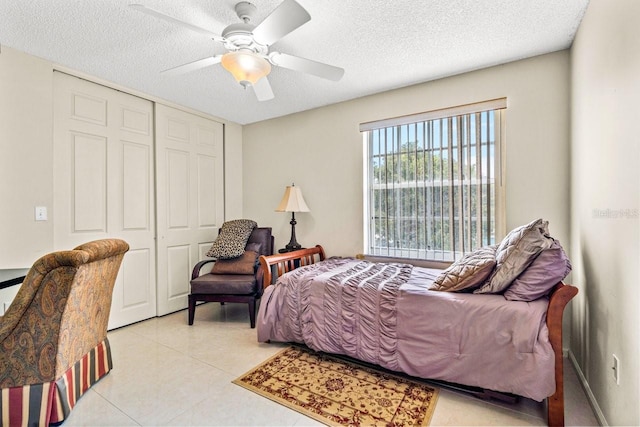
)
(248, 57)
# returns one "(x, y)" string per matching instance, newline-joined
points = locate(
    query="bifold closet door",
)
(104, 184)
(190, 198)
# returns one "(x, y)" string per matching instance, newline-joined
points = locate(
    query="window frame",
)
(499, 107)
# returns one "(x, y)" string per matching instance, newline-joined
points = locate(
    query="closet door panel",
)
(206, 196)
(137, 186)
(104, 184)
(179, 260)
(189, 159)
(134, 268)
(89, 183)
(177, 189)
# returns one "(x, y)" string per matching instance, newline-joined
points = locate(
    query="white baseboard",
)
(585, 385)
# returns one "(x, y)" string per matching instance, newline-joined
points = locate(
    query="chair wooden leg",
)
(192, 308)
(252, 313)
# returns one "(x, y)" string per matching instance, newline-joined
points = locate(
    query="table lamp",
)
(293, 202)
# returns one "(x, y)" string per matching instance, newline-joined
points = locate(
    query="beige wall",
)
(321, 151)
(26, 149)
(605, 225)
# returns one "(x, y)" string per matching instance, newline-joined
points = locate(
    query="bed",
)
(385, 314)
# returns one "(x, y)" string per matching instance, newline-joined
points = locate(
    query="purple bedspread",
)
(385, 314)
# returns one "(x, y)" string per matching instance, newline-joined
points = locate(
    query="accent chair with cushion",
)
(53, 336)
(237, 279)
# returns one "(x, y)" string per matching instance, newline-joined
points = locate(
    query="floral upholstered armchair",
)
(53, 337)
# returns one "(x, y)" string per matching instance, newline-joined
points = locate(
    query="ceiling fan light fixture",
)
(245, 66)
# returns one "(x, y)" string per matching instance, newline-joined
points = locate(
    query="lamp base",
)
(293, 244)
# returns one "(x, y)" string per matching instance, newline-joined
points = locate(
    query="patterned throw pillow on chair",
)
(232, 239)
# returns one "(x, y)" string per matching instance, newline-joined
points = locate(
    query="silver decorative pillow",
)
(232, 239)
(468, 272)
(514, 254)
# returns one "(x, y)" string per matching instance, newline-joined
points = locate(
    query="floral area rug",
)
(338, 392)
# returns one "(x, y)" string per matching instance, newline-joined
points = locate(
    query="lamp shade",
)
(292, 201)
(245, 66)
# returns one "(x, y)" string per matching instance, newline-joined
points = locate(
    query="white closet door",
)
(190, 198)
(103, 184)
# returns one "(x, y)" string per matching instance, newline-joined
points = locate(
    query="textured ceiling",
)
(381, 44)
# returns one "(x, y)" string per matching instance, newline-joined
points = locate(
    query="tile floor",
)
(168, 373)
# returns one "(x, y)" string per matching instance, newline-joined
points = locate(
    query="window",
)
(433, 188)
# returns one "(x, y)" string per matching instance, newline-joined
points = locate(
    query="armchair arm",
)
(260, 279)
(19, 305)
(196, 270)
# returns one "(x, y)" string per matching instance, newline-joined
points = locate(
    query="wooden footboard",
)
(560, 296)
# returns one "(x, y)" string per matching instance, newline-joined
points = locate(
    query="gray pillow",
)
(516, 251)
(232, 239)
(468, 272)
(550, 267)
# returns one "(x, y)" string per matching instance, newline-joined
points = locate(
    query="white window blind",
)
(433, 182)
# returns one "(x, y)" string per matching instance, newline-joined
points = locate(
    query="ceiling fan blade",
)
(284, 19)
(171, 19)
(192, 66)
(308, 66)
(263, 90)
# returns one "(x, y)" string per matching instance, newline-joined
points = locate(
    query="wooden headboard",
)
(288, 261)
